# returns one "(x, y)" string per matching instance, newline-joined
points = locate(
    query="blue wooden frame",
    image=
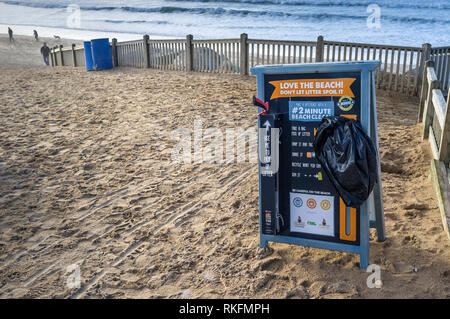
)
(368, 122)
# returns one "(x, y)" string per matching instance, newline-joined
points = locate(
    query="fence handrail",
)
(371, 45)
(439, 106)
(216, 40)
(129, 42)
(63, 49)
(431, 74)
(166, 40)
(281, 42)
(439, 48)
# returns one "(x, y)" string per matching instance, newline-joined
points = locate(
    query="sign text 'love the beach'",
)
(312, 87)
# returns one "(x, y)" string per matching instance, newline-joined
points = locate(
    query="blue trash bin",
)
(101, 54)
(88, 55)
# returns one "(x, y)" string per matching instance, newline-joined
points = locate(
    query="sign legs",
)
(364, 236)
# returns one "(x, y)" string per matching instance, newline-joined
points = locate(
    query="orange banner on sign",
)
(312, 87)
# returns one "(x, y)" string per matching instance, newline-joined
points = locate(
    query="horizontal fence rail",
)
(401, 70)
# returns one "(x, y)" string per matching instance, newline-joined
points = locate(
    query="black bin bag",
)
(348, 157)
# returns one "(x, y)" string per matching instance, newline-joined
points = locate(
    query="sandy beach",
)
(86, 178)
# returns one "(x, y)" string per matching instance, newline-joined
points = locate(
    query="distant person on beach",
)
(36, 35)
(45, 51)
(10, 33)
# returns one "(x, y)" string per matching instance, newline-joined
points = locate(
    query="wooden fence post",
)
(429, 109)
(426, 53)
(114, 52)
(319, 49)
(424, 89)
(189, 53)
(244, 54)
(61, 54)
(74, 58)
(52, 57)
(56, 55)
(146, 50)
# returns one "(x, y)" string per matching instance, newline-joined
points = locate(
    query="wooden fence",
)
(434, 113)
(401, 69)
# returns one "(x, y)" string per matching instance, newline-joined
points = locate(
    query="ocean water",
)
(402, 22)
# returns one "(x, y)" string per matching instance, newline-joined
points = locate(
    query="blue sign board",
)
(298, 204)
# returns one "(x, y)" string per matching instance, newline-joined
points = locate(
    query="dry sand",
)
(86, 178)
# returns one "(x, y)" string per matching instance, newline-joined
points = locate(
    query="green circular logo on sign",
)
(346, 103)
